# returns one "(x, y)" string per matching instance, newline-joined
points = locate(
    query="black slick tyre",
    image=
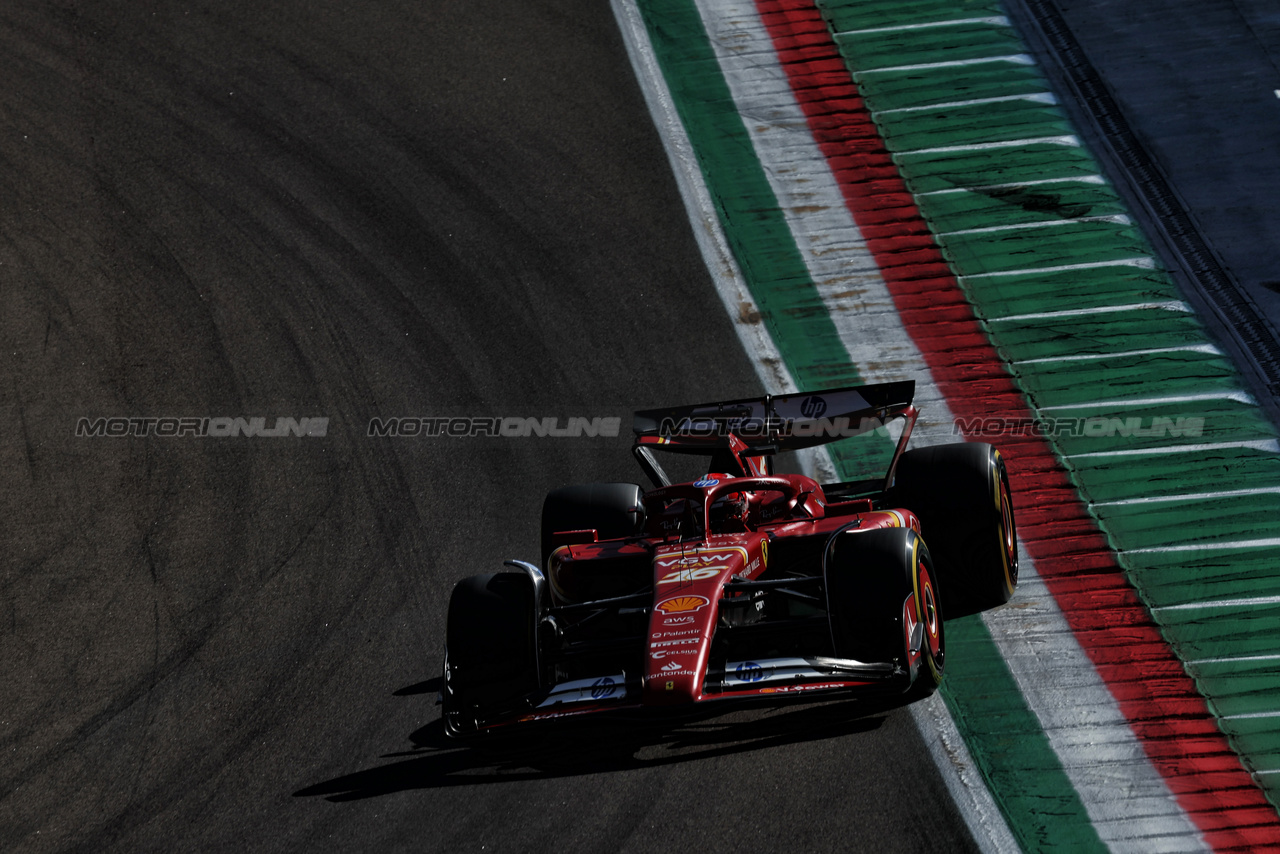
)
(961, 495)
(491, 656)
(881, 590)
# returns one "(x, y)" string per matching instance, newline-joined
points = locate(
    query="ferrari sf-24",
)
(741, 582)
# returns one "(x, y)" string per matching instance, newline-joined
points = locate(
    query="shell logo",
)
(682, 604)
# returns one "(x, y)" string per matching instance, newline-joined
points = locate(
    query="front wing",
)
(758, 680)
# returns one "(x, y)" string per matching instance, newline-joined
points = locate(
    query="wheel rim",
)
(931, 616)
(1008, 532)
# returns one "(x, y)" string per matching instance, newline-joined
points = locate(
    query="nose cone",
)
(687, 586)
(679, 636)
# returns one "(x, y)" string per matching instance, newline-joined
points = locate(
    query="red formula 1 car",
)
(740, 582)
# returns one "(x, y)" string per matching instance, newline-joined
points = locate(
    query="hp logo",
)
(813, 406)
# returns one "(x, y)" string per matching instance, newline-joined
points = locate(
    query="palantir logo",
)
(813, 406)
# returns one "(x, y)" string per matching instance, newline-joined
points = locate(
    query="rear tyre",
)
(880, 585)
(961, 495)
(491, 655)
(613, 509)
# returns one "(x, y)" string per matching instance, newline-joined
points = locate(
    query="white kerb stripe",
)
(1086, 728)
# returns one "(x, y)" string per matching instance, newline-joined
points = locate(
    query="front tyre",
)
(491, 659)
(884, 603)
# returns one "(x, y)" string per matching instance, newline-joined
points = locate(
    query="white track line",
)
(980, 188)
(1189, 496)
(997, 21)
(1034, 97)
(1011, 59)
(1068, 140)
(1231, 659)
(1167, 305)
(1263, 543)
(1237, 396)
(1142, 262)
(1271, 445)
(1115, 219)
(1207, 349)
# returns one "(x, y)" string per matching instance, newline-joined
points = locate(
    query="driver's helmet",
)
(728, 513)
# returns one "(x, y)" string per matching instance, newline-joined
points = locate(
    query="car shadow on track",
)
(591, 746)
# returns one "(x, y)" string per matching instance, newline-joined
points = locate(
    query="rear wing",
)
(773, 423)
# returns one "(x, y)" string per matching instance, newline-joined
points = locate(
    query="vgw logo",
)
(813, 407)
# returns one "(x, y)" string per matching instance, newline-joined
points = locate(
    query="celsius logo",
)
(602, 687)
(813, 406)
(749, 671)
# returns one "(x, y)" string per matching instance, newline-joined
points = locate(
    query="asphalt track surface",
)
(348, 211)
